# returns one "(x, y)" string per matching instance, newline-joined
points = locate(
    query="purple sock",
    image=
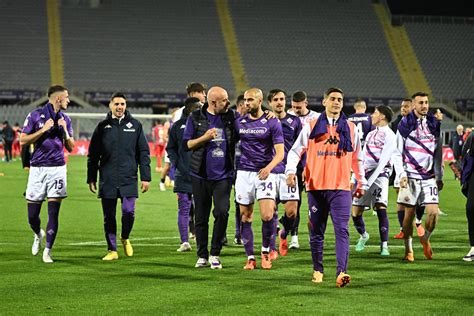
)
(359, 224)
(267, 232)
(247, 238)
(128, 216)
(401, 216)
(34, 217)
(288, 224)
(184, 206)
(274, 230)
(383, 224)
(53, 223)
(238, 220)
(109, 208)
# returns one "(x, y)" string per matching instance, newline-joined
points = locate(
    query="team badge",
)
(129, 125)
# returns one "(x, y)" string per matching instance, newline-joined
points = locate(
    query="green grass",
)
(158, 280)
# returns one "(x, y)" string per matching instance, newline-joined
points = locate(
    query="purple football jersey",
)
(257, 140)
(291, 126)
(49, 148)
(363, 122)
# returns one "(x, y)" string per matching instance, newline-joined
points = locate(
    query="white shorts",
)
(284, 192)
(419, 192)
(248, 187)
(46, 182)
(377, 193)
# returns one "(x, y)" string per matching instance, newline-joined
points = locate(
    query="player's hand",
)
(62, 123)
(269, 114)
(263, 173)
(404, 182)
(439, 116)
(210, 134)
(440, 184)
(359, 193)
(145, 186)
(93, 187)
(291, 180)
(48, 125)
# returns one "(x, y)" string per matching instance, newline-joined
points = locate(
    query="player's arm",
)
(144, 161)
(400, 141)
(357, 164)
(68, 140)
(277, 158)
(28, 139)
(438, 163)
(294, 155)
(93, 158)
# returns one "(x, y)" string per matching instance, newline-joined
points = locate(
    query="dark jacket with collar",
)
(116, 150)
(180, 157)
(201, 125)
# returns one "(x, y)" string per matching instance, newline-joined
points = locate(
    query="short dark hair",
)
(274, 92)
(56, 88)
(419, 94)
(5, 122)
(331, 90)
(386, 111)
(118, 95)
(189, 105)
(195, 87)
(240, 99)
(407, 100)
(299, 96)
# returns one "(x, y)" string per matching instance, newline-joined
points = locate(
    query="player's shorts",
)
(159, 149)
(46, 182)
(420, 192)
(376, 194)
(167, 159)
(248, 187)
(284, 192)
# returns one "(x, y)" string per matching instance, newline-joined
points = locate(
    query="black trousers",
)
(470, 209)
(205, 192)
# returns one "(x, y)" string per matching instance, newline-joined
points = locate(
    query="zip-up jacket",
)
(116, 150)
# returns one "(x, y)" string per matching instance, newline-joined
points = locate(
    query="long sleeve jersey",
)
(381, 154)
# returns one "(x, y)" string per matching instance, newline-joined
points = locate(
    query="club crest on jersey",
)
(129, 125)
(42, 116)
(263, 121)
(289, 120)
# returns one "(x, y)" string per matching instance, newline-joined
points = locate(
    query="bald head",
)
(253, 98)
(218, 100)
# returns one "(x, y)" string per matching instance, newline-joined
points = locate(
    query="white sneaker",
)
(185, 246)
(215, 262)
(294, 244)
(469, 256)
(37, 242)
(47, 256)
(162, 186)
(202, 263)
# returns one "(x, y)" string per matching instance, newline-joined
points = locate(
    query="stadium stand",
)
(24, 51)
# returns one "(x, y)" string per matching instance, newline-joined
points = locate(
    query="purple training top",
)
(257, 140)
(215, 152)
(49, 148)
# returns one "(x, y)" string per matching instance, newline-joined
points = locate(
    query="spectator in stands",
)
(118, 147)
(8, 135)
(467, 180)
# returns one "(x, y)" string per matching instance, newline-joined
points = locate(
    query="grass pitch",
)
(158, 280)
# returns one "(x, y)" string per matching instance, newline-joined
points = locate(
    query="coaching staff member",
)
(117, 148)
